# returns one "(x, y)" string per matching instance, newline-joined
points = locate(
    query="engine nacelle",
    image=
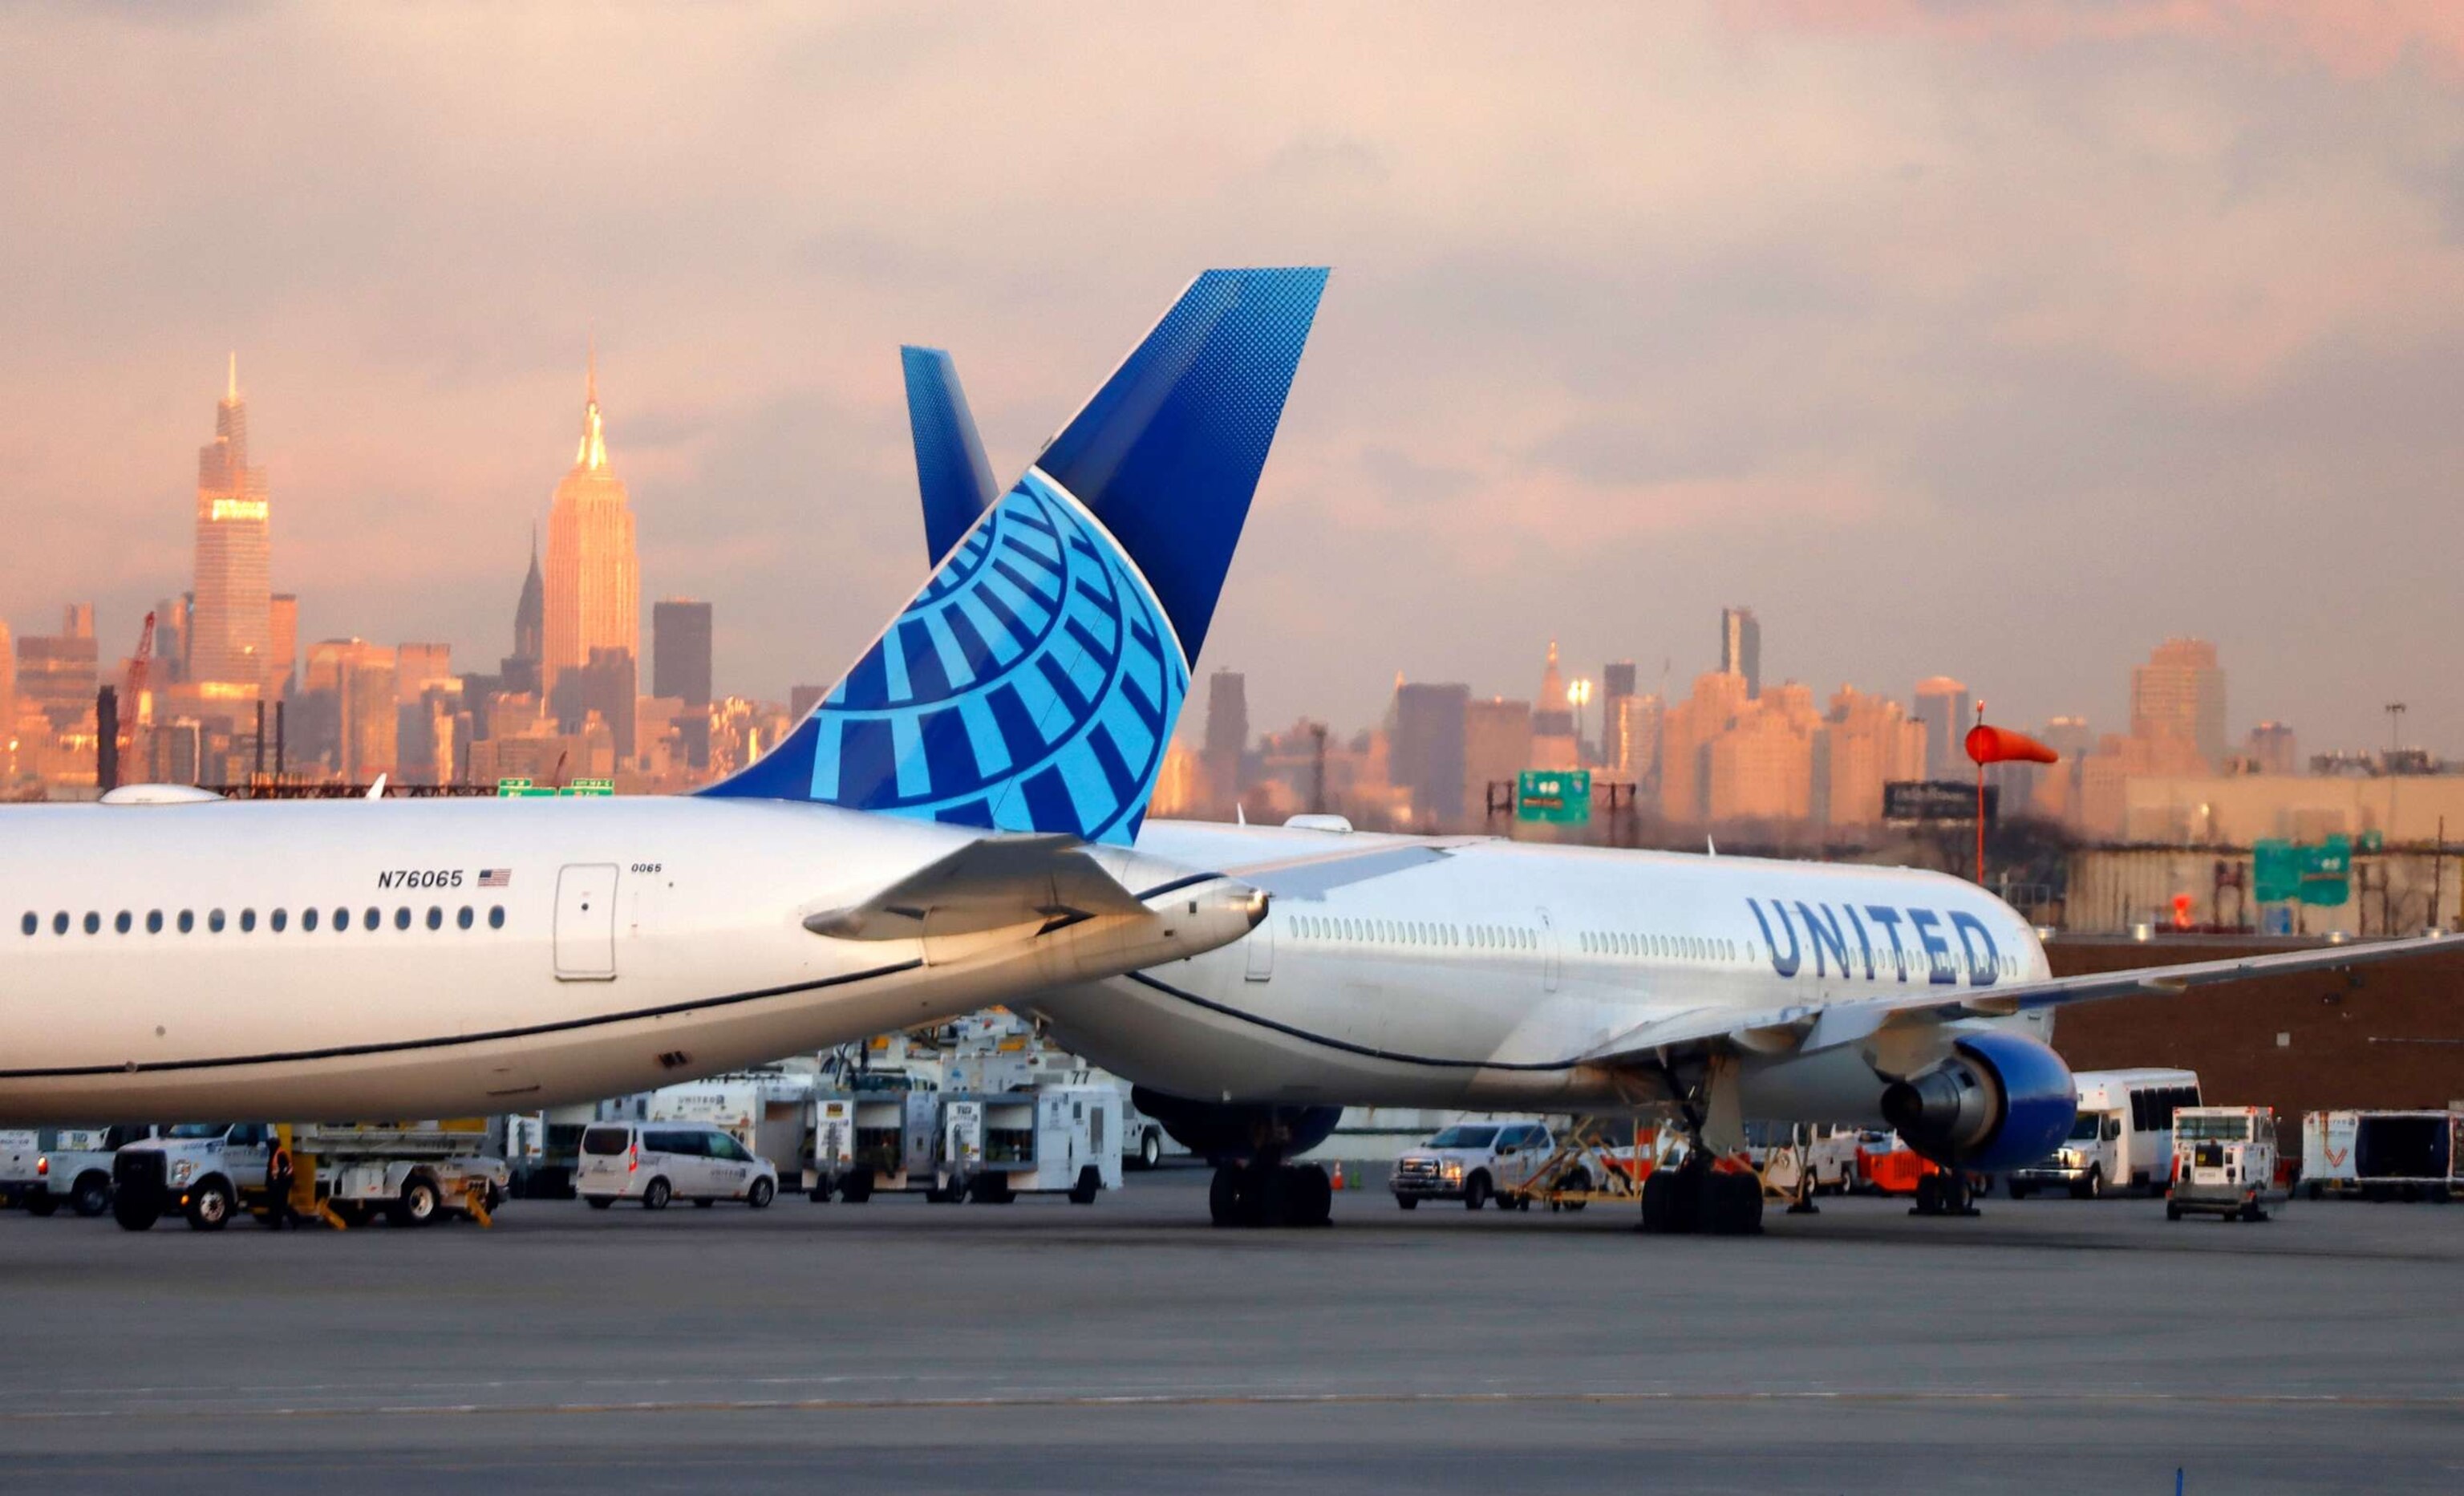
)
(2000, 1101)
(1237, 1132)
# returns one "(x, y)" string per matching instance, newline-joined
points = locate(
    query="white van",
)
(655, 1162)
(2122, 1138)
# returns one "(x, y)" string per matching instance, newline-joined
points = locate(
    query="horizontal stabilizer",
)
(1309, 878)
(992, 884)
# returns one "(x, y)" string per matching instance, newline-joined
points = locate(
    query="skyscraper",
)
(518, 672)
(230, 632)
(680, 650)
(1741, 647)
(1227, 734)
(1942, 702)
(680, 670)
(286, 643)
(1616, 679)
(2180, 694)
(1425, 752)
(1554, 740)
(593, 598)
(1497, 747)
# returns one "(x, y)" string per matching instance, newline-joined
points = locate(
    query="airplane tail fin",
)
(950, 465)
(1034, 683)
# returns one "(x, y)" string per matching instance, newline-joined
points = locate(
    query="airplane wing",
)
(1807, 1028)
(992, 884)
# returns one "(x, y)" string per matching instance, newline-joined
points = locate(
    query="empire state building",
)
(231, 638)
(594, 590)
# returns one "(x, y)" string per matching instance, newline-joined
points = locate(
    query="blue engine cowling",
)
(2000, 1101)
(1237, 1132)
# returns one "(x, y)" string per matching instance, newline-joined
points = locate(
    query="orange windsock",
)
(2001, 745)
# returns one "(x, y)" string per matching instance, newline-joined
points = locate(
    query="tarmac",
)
(1128, 1346)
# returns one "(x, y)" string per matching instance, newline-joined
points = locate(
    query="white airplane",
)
(950, 827)
(1475, 973)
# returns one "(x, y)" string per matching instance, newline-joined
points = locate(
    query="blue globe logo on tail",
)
(1034, 682)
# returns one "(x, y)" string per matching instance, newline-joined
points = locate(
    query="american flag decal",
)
(496, 877)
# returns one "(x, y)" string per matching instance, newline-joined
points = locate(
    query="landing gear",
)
(1271, 1194)
(1696, 1197)
(1944, 1195)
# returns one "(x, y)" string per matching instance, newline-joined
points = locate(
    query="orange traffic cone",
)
(1338, 1174)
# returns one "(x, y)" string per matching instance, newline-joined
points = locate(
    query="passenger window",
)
(215, 921)
(29, 924)
(374, 917)
(247, 920)
(463, 918)
(402, 917)
(496, 918)
(125, 922)
(92, 922)
(282, 919)
(153, 921)
(435, 917)
(187, 920)
(342, 920)
(308, 920)
(60, 923)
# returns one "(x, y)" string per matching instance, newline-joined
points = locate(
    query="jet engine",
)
(2000, 1101)
(1238, 1131)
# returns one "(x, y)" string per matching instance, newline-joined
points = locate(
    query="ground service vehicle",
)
(1058, 1141)
(72, 1165)
(195, 1168)
(657, 1162)
(414, 1174)
(2383, 1154)
(2123, 1139)
(2224, 1162)
(1474, 1163)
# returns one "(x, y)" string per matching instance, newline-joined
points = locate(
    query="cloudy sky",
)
(2000, 341)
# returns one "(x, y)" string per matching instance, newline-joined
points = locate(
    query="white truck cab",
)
(2224, 1162)
(2123, 1139)
(1474, 1163)
(195, 1168)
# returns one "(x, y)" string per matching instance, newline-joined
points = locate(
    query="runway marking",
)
(2432, 1402)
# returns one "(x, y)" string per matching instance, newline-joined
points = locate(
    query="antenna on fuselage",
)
(1711, 847)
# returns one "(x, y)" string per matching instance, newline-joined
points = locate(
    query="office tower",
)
(286, 644)
(57, 673)
(519, 672)
(1741, 647)
(593, 596)
(351, 708)
(2180, 694)
(1424, 752)
(680, 671)
(1616, 681)
(171, 640)
(1633, 747)
(1942, 705)
(1867, 742)
(2274, 749)
(1227, 735)
(605, 686)
(230, 630)
(422, 667)
(1760, 767)
(1497, 747)
(1554, 743)
(1685, 734)
(680, 650)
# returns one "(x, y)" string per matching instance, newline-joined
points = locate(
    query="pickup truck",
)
(1474, 1163)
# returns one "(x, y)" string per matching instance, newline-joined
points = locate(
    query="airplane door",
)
(1261, 946)
(1548, 953)
(585, 922)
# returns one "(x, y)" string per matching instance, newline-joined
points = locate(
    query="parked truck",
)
(2383, 1154)
(413, 1173)
(1474, 1163)
(2224, 1163)
(1056, 1140)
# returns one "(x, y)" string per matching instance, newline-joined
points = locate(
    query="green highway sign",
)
(1554, 795)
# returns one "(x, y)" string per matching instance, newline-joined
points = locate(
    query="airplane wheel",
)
(1223, 1196)
(1311, 1197)
(1929, 1194)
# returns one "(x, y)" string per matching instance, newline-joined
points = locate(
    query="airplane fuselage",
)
(1483, 977)
(350, 959)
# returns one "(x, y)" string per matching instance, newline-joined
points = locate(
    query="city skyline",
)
(2008, 425)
